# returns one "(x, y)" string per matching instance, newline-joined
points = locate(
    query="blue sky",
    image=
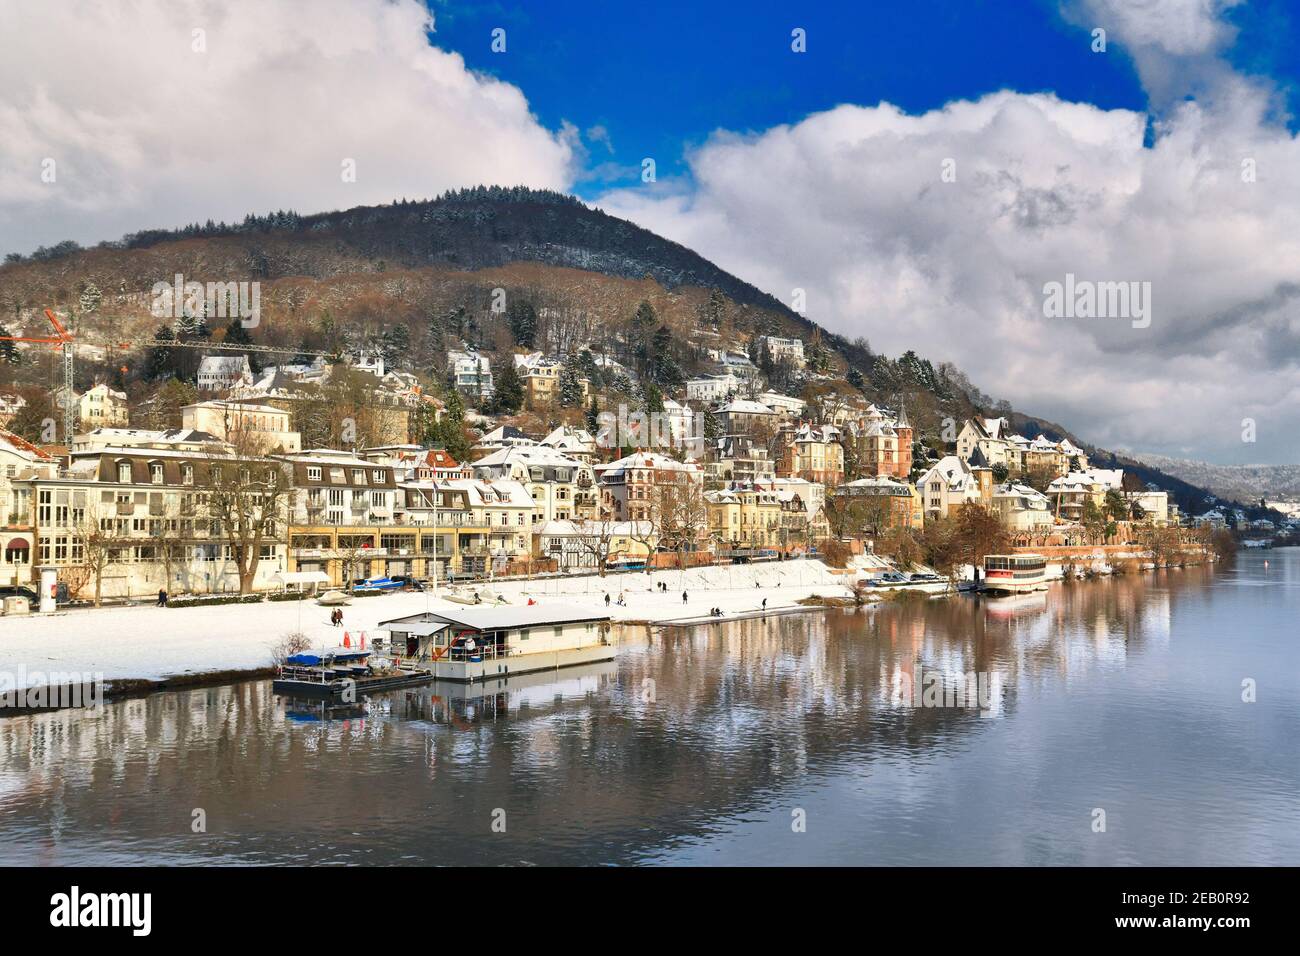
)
(660, 77)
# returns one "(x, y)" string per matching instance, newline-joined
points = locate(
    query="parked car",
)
(14, 590)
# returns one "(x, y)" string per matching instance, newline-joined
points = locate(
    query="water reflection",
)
(697, 745)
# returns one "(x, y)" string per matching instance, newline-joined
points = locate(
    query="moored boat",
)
(1014, 573)
(343, 673)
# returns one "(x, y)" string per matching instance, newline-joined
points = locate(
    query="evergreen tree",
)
(593, 416)
(522, 319)
(715, 309)
(161, 361)
(663, 367)
(450, 432)
(9, 353)
(654, 398)
(570, 387)
(509, 395)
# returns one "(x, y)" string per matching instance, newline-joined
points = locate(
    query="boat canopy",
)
(339, 655)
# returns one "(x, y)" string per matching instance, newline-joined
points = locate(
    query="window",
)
(358, 476)
(124, 472)
(313, 473)
(156, 472)
(377, 476)
(187, 474)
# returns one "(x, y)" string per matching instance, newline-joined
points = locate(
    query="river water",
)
(1106, 725)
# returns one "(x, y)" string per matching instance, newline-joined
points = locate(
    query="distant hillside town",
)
(552, 446)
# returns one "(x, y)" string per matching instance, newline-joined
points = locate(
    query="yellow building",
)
(744, 517)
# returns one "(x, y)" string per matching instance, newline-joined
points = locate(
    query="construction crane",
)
(63, 339)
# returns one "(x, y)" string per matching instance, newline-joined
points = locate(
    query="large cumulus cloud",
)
(145, 130)
(851, 205)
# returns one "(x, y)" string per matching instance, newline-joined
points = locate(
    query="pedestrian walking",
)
(606, 600)
(162, 597)
(683, 597)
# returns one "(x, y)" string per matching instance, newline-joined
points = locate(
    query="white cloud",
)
(849, 205)
(145, 131)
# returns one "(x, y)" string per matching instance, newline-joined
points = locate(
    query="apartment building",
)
(469, 526)
(103, 407)
(777, 350)
(627, 486)
(220, 372)
(713, 388)
(20, 461)
(562, 488)
(140, 514)
(883, 444)
(813, 452)
(905, 505)
(953, 482)
(1021, 508)
(471, 373)
(1071, 493)
(253, 428)
(744, 518)
(583, 545)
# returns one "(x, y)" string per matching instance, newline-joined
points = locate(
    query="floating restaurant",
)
(479, 643)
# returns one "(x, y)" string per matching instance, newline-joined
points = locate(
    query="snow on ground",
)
(152, 643)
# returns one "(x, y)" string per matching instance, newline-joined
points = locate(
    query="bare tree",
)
(679, 509)
(597, 539)
(246, 500)
(97, 540)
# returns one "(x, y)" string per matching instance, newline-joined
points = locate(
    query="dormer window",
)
(124, 472)
(156, 472)
(187, 474)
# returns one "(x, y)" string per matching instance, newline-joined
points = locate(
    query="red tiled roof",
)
(22, 444)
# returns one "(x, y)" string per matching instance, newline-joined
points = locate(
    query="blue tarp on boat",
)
(316, 658)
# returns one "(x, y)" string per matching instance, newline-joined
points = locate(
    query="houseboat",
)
(343, 674)
(1015, 573)
(480, 643)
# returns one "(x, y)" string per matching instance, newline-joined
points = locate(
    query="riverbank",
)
(143, 648)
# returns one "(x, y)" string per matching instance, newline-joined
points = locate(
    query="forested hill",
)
(427, 269)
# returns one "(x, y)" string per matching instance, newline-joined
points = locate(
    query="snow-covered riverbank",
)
(148, 643)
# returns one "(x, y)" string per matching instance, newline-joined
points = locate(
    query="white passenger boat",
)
(1015, 573)
(333, 599)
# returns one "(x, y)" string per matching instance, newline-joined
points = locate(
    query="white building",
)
(255, 428)
(19, 460)
(949, 484)
(561, 488)
(777, 349)
(220, 372)
(471, 373)
(712, 388)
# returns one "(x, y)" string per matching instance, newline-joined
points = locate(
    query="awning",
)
(418, 628)
(301, 577)
(18, 544)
